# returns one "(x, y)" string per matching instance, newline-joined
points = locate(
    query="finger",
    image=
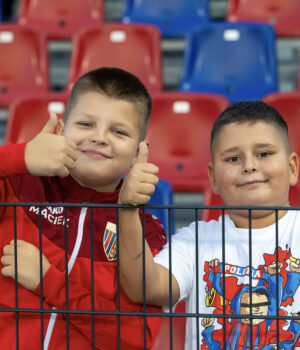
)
(72, 144)
(146, 189)
(7, 271)
(51, 124)
(149, 168)
(7, 260)
(72, 152)
(8, 250)
(63, 172)
(143, 153)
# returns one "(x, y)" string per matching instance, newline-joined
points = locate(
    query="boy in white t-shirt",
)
(251, 166)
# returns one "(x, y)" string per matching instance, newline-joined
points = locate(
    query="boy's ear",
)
(211, 176)
(293, 168)
(60, 127)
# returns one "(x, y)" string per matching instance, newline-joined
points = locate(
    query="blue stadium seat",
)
(175, 18)
(163, 195)
(237, 60)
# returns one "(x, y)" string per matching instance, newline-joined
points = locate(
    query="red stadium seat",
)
(23, 63)
(211, 198)
(61, 19)
(133, 47)
(27, 116)
(178, 331)
(283, 15)
(288, 105)
(179, 134)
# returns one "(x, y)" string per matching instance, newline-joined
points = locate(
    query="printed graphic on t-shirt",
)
(252, 306)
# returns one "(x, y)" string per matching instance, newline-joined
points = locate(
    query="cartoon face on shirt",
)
(260, 307)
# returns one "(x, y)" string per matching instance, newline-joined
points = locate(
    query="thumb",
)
(143, 153)
(51, 124)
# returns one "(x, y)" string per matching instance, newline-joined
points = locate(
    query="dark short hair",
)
(118, 84)
(250, 112)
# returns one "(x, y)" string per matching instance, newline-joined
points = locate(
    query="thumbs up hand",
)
(139, 184)
(49, 154)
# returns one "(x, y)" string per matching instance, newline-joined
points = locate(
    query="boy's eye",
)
(119, 132)
(264, 154)
(233, 159)
(84, 124)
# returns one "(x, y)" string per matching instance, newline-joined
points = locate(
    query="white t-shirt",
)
(237, 282)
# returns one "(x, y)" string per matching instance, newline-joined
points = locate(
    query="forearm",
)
(131, 257)
(12, 160)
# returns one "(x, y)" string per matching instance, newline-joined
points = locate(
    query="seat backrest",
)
(283, 15)
(178, 331)
(175, 18)
(179, 135)
(211, 198)
(237, 60)
(60, 19)
(163, 195)
(133, 47)
(288, 105)
(28, 115)
(23, 62)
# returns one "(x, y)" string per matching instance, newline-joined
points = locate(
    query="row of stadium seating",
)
(175, 18)
(237, 60)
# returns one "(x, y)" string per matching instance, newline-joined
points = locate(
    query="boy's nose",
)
(99, 137)
(249, 166)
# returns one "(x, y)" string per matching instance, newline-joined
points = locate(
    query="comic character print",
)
(252, 305)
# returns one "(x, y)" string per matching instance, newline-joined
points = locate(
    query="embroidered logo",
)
(110, 241)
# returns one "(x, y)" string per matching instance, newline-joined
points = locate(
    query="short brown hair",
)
(118, 84)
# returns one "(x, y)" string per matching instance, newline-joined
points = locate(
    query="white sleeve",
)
(183, 259)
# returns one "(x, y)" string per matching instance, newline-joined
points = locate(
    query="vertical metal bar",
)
(170, 285)
(118, 280)
(224, 279)
(144, 276)
(92, 277)
(67, 278)
(197, 276)
(277, 279)
(250, 275)
(41, 278)
(16, 277)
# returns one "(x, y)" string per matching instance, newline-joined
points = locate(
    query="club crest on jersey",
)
(110, 241)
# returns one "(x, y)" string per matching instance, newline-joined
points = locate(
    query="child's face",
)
(251, 165)
(106, 132)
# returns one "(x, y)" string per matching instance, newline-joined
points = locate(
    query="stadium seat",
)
(237, 60)
(175, 18)
(23, 63)
(179, 132)
(211, 198)
(288, 105)
(60, 19)
(283, 15)
(28, 115)
(162, 341)
(133, 47)
(163, 195)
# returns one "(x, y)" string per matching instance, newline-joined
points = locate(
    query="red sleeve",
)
(106, 326)
(12, 159)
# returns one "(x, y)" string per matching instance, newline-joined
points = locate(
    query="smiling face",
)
(260, 307)
(106, 132)
(251, 167)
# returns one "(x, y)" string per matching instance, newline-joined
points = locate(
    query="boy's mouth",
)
(96, 154)
(252, 182)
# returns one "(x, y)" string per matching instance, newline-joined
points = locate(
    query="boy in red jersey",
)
(98, 141)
